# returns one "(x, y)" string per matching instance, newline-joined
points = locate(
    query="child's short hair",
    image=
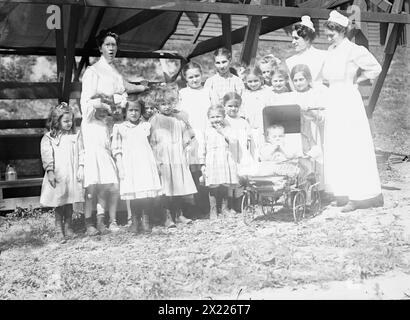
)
(165, 94)
(55, 115)
(191, 65)
(217, 108)
(274, 127)
(134, 98)
(301, 68)
(270, 59)
(223, 52)
(283, 73)
(256, 71)
(231, 96)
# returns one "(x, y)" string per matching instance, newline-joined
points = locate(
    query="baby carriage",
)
(297, 187)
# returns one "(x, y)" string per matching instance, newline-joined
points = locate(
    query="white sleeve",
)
(366, 62)
(89, 89)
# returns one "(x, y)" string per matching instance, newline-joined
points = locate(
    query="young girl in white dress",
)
(99, 170)
(139, 180)
(243, 133)
(254, 100)
(194, 103)
(60, 157)
(310, 99)
(223, 81)
(169, 139)
(218, 154)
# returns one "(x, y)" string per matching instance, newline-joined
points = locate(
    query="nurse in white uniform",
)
(303, 35)
(349, 159)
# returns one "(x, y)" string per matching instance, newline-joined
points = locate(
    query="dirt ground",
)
(359, 255)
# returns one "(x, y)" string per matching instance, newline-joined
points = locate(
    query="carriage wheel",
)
(299, 206)
(316, 203)
(248, 208)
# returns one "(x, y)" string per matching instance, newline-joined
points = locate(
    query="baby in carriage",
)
(277, 157)
(281, 157)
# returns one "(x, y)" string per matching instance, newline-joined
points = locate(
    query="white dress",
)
(218, 86)
(194, 104)
(61, 155)
(242, 131)
(99, 165)
(312, 57)
(141, 178)
(253, 103)
(100, 78)
(349, 159)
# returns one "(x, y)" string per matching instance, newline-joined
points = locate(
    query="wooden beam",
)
(219, 8)
(250, 44)
(93, 53)
(360, 32)
(226, 31)
(27, 123)
(60, 58)
(193, 16)
(199, 29)
(76, 13)
(393, 37)
(382, 4)
(267, 25)
(136, 20)
(36, 90)
(90, 42)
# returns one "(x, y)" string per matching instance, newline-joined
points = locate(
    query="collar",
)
(228, 75)
(342, 43)
(129, 124)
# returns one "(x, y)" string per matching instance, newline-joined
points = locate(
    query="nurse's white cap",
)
(336, 17)
(307, 22)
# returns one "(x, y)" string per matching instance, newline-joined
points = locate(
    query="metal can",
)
(11, 173)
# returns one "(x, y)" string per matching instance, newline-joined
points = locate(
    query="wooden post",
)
(75, 16)
(226, 31)
(392, 39)
(250, 44)
(60, 58)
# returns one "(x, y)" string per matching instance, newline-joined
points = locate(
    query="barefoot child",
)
(217, 155)
(139, 180)
(223, 81)
(60, 157)
(169, 138)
